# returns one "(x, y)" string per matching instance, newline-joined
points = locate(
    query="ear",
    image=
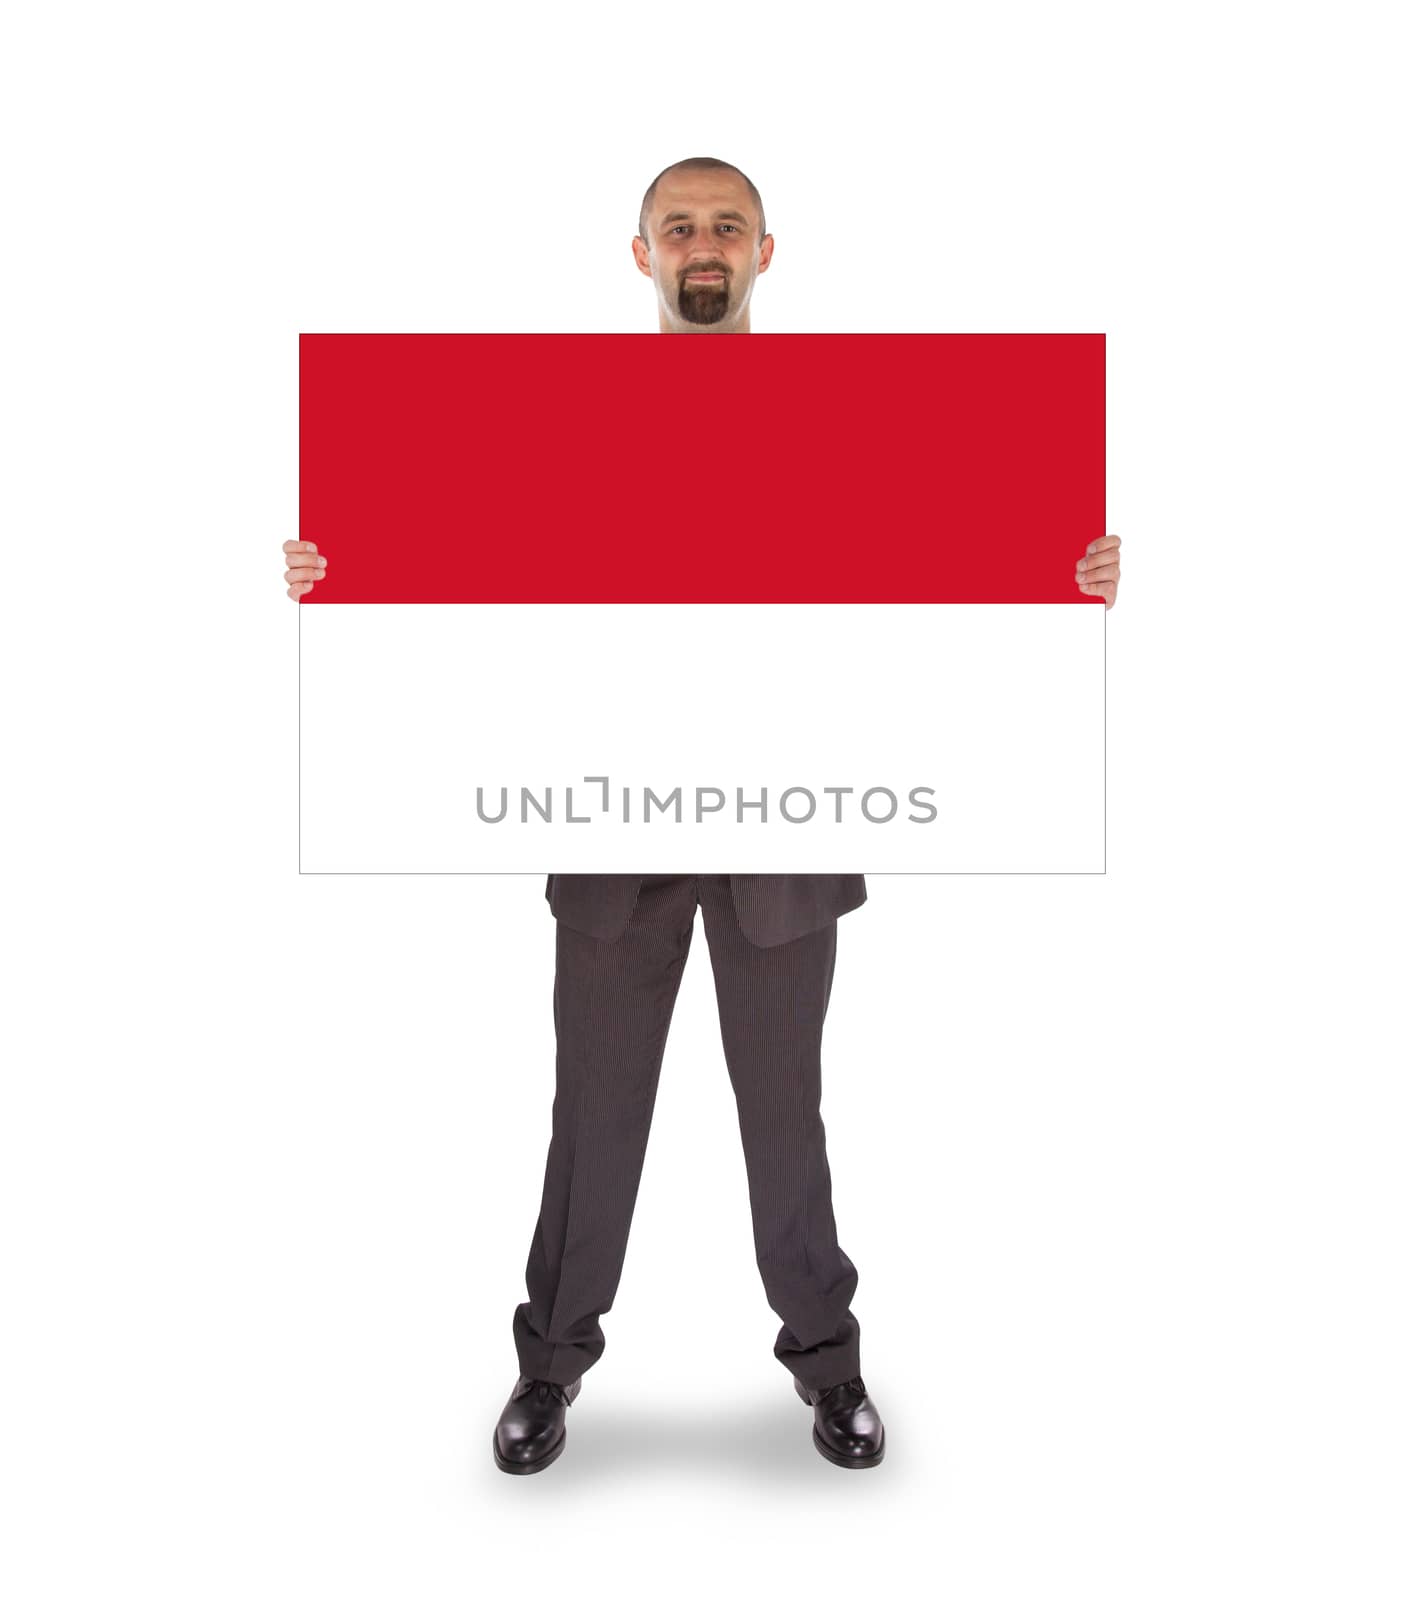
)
(767, 245)
(641, 256)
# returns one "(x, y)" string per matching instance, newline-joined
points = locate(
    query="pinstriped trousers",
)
(613, 1001)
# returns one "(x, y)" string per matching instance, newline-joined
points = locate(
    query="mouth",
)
(704, 277)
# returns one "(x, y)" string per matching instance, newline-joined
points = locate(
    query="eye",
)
(676, 227)
(731, 225)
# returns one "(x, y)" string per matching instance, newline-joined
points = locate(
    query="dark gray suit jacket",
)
(770, 909)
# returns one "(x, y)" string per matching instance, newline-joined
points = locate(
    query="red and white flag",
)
(628, 603)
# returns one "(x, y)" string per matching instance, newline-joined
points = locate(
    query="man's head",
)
(702, 239)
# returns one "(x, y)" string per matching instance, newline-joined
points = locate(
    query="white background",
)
(1118, 1158)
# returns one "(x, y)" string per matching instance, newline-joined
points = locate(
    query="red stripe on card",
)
(820, 468)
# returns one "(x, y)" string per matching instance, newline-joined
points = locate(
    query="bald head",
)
(700, 164)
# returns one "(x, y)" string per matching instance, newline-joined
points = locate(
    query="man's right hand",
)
(305, 566)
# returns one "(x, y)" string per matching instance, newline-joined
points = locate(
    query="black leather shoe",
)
(848, 1430)
(531, 1431)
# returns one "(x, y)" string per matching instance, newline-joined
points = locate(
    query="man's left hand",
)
(1099, 570)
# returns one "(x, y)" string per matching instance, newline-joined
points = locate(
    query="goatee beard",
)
(705, 304)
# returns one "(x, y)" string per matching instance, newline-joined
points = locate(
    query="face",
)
(705, 247)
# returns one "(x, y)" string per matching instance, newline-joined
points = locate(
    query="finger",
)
(1104, 589)
(308, 566)
(1109, 541)
(292, 545)
(306, 575)
(297, 590)
(1100, 563)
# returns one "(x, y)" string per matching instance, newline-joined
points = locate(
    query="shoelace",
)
(856, 1384)
(545, 1389)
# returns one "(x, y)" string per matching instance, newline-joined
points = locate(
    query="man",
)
(621, 945)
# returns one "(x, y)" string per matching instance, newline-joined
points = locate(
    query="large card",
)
(631, 603)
